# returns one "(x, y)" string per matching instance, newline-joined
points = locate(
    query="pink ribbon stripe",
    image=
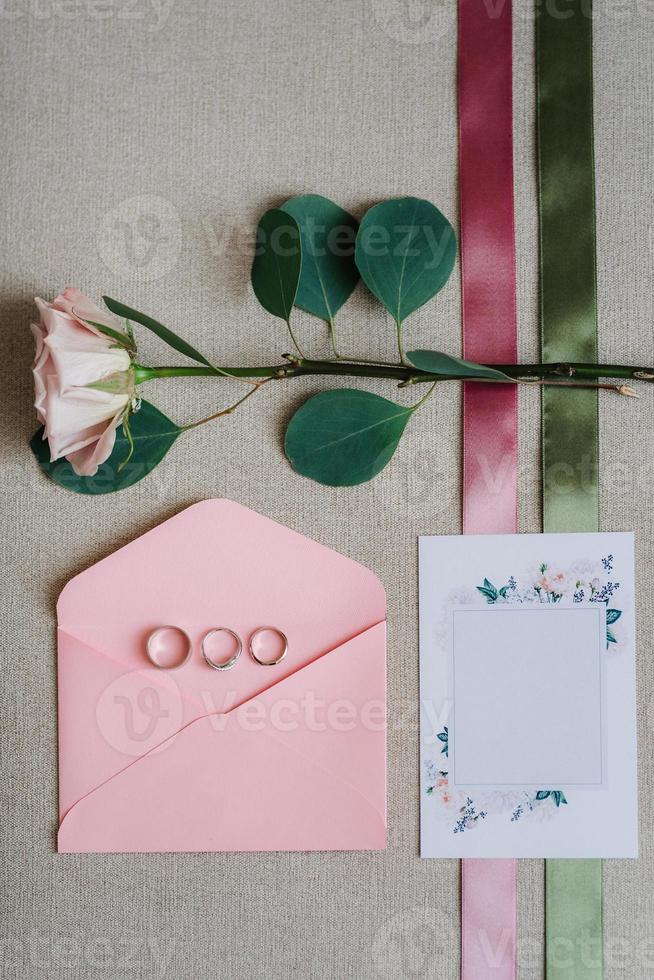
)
(488, 262)
(490, 463)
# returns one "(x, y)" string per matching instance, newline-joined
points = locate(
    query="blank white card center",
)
(527, 690)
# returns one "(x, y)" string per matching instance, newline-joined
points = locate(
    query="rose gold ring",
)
(269, 629)
(156, 639)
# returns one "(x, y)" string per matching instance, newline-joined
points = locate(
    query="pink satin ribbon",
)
(490, 487)
(490, 460)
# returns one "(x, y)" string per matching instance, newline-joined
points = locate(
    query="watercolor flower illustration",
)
(587, 581)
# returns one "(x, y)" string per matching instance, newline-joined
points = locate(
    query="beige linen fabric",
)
(141, 140)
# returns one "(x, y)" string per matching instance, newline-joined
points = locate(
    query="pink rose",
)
(79, 417)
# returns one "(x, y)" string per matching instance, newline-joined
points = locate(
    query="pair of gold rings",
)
(166, 640)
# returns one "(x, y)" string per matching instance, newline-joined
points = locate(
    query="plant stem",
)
(332, 336)
(550, 374)
(293, 338)
(424, 398)
(400, 344)
(229, 409)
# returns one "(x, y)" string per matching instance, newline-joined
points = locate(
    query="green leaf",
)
(488, 590)
(329, 273)
(277, 263)
(122, 339)
(405, 252)
(612, 615)
(443, 736)
(152, 434)
(542, 794)
(170, 338)
(344, 437)
(434, 362)
(610, 637)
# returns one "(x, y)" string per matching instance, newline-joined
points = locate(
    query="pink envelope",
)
(256, 758)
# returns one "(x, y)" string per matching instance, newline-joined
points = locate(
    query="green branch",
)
(565, 375)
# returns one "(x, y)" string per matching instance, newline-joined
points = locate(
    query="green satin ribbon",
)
(567, 232)
(573, 920)
(570, 453)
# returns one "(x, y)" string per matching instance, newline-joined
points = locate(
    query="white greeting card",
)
(527, 681)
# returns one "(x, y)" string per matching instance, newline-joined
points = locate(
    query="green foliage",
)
(612, 616)
(125, 340)
(405, 252)
(557, 796)
(277, 263)
(310, 254)
(344, 437)
(149, 437)
(490, 593)
(170, 338)
(434, 362)
(329, 273)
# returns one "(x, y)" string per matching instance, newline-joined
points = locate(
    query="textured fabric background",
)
(141, 140)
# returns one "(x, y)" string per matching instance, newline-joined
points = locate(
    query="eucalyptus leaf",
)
(170, 338)
(277, 263)
(405, 252)
(329, 273)
(152, 435)
(344, 437)
(434, 362)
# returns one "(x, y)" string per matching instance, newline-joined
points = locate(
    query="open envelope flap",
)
(301, 766)
(110, 716)
(216, 563)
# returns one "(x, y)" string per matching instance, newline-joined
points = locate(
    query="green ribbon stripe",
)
(570, 452)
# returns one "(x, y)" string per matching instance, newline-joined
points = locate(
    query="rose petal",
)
(80, 336)
(77, 368)
(77, 305)
(41, 368)
(72, 416)
(85, 462)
